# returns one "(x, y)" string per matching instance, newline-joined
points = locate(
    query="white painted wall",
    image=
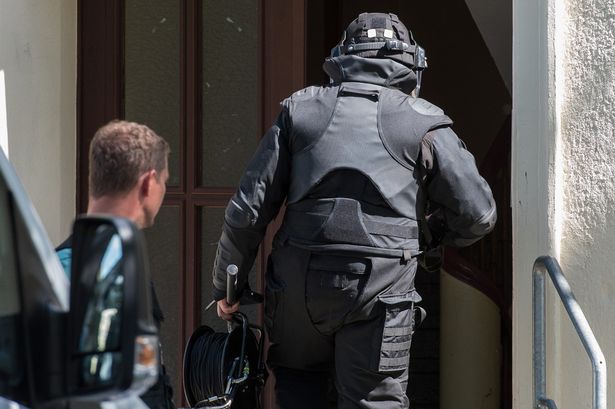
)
(586, 112)
(564, 183)
(38, 54)
(4, 136)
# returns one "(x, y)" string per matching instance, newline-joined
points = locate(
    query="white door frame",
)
(535, 191)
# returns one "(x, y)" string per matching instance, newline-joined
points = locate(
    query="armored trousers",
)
(341, 315)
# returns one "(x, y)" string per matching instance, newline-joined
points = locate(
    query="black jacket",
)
(360, 164)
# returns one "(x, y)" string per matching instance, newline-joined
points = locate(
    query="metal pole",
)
(548, 403)
(550, 265)
(540, 372)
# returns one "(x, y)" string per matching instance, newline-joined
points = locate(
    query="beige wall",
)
(563, 183)
(38, 57)
(470, 347)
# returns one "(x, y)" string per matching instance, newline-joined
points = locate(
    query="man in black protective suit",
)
(373, 177)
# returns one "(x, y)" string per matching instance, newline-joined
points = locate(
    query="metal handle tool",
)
(231, 283)
(231, 286)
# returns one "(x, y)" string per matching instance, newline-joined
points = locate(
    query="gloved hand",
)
(436, 223)
(431, 259)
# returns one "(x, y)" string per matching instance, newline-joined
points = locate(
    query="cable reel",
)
(225, 369)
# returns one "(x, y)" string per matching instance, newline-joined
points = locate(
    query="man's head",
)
(128, 171)
(381, 35)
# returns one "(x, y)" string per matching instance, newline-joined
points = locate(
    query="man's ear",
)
(145, 183)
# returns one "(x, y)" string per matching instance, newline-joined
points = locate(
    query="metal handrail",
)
(550, 265)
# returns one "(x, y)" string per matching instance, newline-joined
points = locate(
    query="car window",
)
(12, 365)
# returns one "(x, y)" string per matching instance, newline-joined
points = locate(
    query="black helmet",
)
(381, 35)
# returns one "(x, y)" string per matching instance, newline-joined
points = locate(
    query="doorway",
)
(469, 76)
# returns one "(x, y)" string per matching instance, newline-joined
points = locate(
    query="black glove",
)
(436, 224)
(432, 257)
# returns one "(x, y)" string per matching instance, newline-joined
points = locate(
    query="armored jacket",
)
(357, 162)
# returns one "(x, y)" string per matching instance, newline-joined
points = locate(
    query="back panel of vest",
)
(354, 177)
(365, 128)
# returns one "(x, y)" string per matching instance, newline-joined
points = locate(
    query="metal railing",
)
(546, 264)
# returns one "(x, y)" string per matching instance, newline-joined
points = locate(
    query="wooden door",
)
(207, 75)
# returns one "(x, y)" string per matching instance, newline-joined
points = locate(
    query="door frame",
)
(535, 170)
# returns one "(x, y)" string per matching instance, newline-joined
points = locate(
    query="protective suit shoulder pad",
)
(302, 95)
(424, 107)
(305, 93)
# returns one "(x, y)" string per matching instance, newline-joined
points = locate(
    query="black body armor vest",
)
(355, 178)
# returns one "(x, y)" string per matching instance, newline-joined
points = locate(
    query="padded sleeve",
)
(262, 190)
(456, 188)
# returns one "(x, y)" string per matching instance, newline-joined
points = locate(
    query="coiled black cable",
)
(211, 359)
(207, 372)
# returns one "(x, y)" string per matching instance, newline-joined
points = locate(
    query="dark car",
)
(87, 343)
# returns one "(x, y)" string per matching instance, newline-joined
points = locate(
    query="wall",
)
(585, 99)
(563, 183)
(470, 347)
(4, 137)
(38, 54)
(494, 20)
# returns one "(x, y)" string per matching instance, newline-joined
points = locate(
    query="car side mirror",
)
(113, 341)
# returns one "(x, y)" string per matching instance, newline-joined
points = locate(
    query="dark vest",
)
(345, 133)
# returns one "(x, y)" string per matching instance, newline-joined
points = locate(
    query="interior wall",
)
(38, 57)
(470, 345)
(494, 20)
